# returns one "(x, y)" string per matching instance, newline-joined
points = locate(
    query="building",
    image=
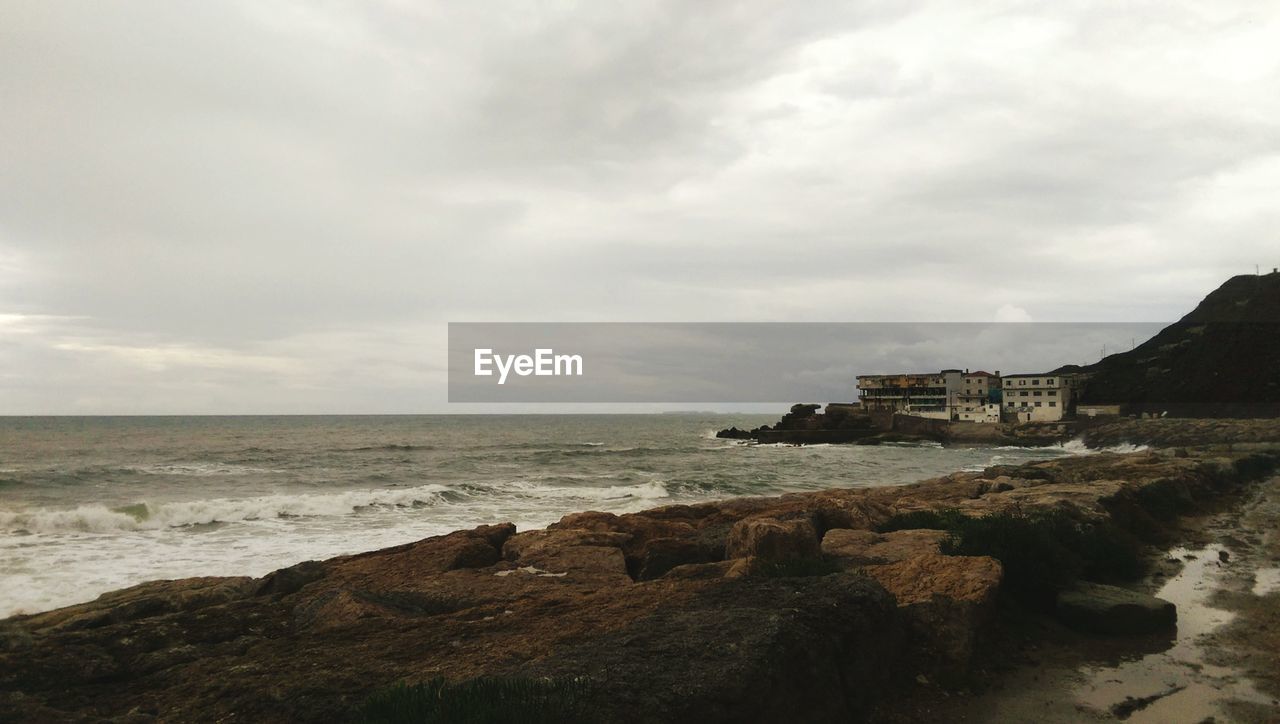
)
(933, 394)
(978, 397)
(1042, 397)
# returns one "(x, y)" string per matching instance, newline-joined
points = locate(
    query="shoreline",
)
(1219, 663)
(699, 601)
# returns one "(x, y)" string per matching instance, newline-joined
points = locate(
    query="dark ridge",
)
(1221, 360)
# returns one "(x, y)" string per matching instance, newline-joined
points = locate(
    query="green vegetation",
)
(1041, 551)
(478, 701)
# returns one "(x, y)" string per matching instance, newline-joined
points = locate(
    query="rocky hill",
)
(1221, 360)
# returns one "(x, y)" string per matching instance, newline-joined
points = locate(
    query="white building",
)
(932, 394)
(978, 397)
(1042, 397)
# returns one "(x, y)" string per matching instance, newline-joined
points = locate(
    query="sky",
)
(276, 207)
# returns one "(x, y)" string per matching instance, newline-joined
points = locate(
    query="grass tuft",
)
(1043, 551)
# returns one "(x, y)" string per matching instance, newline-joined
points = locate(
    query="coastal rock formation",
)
(803, 423)
(772, 539)
(1181, 432)
(945, 600)
(751, 609)
(1110, 610)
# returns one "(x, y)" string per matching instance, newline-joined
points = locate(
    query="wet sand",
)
(1222, 665)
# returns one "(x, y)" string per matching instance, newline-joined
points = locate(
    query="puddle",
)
(1265, 581)
(1176, 684)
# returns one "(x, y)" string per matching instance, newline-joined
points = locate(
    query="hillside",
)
(1222, 359)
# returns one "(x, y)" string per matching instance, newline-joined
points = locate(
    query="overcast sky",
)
(271, 206)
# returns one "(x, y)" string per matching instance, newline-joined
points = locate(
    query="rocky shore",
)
(818, 605)
(809, 424)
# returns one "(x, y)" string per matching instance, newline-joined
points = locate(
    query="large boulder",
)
(142, 601)
(532, 544)
(863, 547)
(769, 539)
(946, 600)
(1104, 609)
(821, 648)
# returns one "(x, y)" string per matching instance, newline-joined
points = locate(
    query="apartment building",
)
(1042, 397)
(933, 394)
(978, 397)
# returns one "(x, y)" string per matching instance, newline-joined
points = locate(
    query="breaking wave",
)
(157, 516)
(148, 516)
(1077, 447)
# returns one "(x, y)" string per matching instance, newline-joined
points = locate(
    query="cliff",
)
(813, 605)
(1220, 360)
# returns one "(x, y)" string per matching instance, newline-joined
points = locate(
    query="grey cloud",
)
(258, 200)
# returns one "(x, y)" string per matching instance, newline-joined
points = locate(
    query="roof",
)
(1044, 374)
(904, 374)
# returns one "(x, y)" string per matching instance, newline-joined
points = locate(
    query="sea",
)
(93, 504)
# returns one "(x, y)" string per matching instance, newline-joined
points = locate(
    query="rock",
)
(145, 600)
(863, 547)
(495, 535)
(660, 555)
(641, 528)
(534, 543)
(850, 545)
(579, 562)
(925, 577)
(699, 571)
(745, 650)
(291, 579)
(697, 638)
(947, 601)
(1110, 610)
(773, 540)
(734, 433)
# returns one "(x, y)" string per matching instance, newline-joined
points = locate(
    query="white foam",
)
(651, 490)
(198, 469)
(144, 516)
(1077, 447)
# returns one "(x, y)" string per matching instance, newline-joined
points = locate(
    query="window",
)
(1052, 403)
(1023, 393)
(1052, 393)
(1049, 382)
(1038, 403)
(1037, 393)
(1035, 382)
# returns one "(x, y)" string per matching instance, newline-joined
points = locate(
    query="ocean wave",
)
(606, 451)
(147, 516)
(196, 469)
(95, 518)
(390, 447)
(651, 490)
(1077, 447)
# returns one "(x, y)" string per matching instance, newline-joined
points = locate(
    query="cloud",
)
(274, 180)
(1010, 313)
